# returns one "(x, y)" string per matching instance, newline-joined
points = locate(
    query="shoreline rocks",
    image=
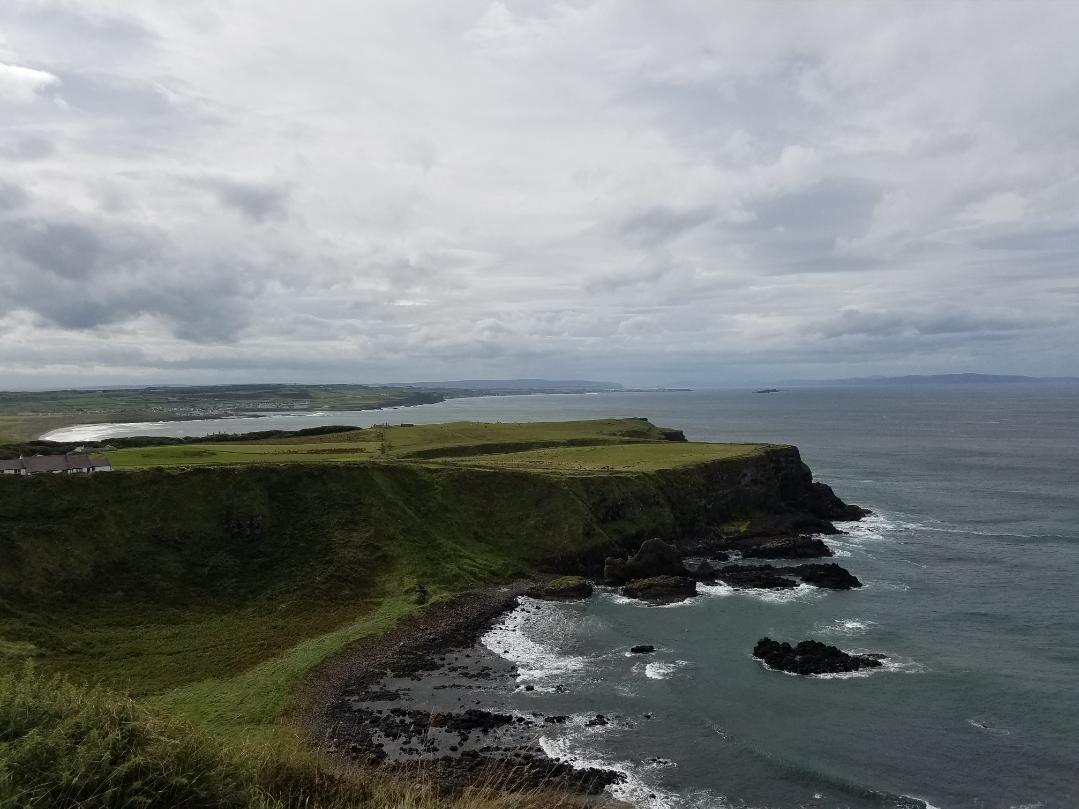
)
(661, 589)
(654, 558)
(829, 576)
(796, 547)
(811, 657)
(566, 588)
(642, 649)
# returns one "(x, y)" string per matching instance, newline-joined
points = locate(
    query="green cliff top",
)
(568, 446)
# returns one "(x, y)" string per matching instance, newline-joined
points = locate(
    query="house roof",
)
(46, 463)
(59, 463)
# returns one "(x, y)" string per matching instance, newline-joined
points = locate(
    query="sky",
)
(701, 193)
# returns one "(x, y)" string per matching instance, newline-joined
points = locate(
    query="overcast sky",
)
(653, 193)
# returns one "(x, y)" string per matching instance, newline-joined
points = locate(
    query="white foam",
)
(612, 594)
(874, 528)
(803, 592)
(657, 670)
(535, 660)
(634, 789)
(983, 725)
(847, 627)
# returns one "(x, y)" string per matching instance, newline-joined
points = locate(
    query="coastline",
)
(372, 704)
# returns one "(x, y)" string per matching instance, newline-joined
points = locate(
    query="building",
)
(71, 463)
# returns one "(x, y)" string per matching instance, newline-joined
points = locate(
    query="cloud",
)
(213, 191)
(11, 197)
(27, 148)
(660, 223)
(24, 85)
(256, 201)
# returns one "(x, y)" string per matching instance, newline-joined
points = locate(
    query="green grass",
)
(69, 746)
(616, 458)
(585, 445)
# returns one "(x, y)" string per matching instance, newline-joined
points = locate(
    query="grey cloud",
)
(717, 191)
(887, 323)
(660, 223)
(256, 201)
(72, 250)
(110, 96)
(27, 148)
(51, 22)
(82, 276)
(12, 197)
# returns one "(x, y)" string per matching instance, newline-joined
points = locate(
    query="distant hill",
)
(523, 385)
(943, 379)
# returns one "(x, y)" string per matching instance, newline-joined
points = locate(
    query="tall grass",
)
(66, 746)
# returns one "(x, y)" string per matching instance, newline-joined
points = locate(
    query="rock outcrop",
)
(811, 657)
(567, 588)
(796, 547)
(759, 576)
(661, 589)
(829, 576)
(654, 558)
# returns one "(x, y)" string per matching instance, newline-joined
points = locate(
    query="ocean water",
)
(971, 567)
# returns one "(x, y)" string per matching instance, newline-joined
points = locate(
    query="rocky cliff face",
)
(253, 530)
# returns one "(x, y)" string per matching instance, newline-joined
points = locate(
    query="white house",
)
(71, 463)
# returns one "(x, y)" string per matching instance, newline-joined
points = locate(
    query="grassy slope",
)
(213, 590)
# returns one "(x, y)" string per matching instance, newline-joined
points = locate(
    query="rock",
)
(661, 589)
(642, 649)
(615, 570)
(567, 588)
(831, 576)
(654, 558)
(760, 576)
(421, 594)
(798, 547)
(673, 435)
(704, 571)
(598, 721)
(825, 503)
(810, 657)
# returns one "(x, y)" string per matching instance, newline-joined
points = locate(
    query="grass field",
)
(573, 446)
(614, 457)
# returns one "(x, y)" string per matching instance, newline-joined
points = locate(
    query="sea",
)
(971, 570)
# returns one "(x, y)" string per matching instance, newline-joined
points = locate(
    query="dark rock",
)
(615, 570)
(704, 571)
(824, 503)
(567, 588)
(798, 547)
(654, 558)
(598, 721)
(661, 589)
(673, 435)
(643, 649)
(810, 657)
(759, 576)
(421, 594)
(831, 576)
